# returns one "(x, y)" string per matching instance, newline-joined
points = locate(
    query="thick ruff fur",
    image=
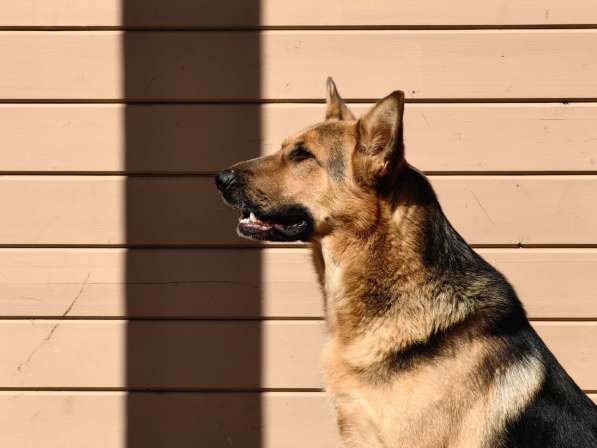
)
(428, 345)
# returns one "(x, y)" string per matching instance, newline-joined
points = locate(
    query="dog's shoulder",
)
(559, 415)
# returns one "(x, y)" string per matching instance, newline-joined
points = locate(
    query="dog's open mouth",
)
(286, 224)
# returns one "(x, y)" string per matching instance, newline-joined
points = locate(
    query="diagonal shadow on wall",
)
(193, 338)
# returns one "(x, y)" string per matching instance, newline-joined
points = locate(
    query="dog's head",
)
(325, 176)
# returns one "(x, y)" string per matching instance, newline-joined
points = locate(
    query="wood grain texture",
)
(207, 354)
(249, 13)
(248, 283)
(188, 210)
(291, 64)
(97, 419)
(196, 138)
(160, 355)
(226, 283)
(103, 419)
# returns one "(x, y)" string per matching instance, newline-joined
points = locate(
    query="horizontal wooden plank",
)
(254, 283)
(207, 354)
(124, 420)
(166, 354)
(251, 13)
(121, 420)
(187, 210)
(195, 138)
(292, 64)
(159, 283)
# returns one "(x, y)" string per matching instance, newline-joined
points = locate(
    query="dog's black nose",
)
(225, 179)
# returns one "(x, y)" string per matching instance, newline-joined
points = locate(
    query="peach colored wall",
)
(120, 273)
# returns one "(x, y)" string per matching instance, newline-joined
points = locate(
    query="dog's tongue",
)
(286, 229)
(256, 222)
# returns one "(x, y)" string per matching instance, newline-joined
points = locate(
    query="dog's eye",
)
(300, 153)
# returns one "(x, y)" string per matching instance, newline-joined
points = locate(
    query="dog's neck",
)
(388, 277)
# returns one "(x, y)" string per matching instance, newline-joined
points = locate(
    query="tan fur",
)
(439, 405)
(436, 405)
(365, 245)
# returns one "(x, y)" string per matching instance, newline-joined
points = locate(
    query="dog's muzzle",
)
(287, 222)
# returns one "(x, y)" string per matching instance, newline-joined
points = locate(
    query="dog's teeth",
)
(252, 217)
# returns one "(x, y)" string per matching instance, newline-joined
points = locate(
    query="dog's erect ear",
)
(380, 138)
(335, 107)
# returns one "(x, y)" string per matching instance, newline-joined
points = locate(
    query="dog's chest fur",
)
(365, 415)
(437, 404)
(410, 410)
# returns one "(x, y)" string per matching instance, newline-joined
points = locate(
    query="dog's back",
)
(560, 414)
(554, 412)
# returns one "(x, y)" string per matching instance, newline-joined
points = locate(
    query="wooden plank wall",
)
(130, 312)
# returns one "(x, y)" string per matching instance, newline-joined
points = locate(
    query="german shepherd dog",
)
(428, 344)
